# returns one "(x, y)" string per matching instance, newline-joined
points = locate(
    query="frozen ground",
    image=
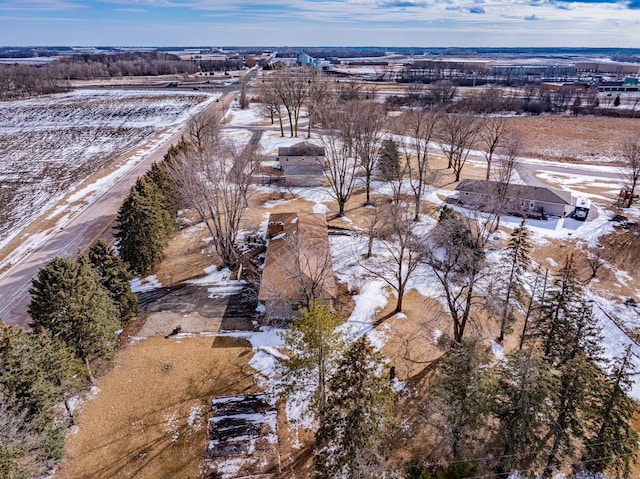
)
(50, 144)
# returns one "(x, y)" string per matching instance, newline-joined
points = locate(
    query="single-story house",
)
(302, 164)
(297, 266)
(532, 201)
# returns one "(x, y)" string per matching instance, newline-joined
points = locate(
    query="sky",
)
(419, 23)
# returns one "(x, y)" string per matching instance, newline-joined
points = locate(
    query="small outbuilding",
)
(302, 164)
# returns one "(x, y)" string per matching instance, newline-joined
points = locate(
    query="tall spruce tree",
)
(518, 261)
(314, 347)
(460, 399)
(160, 176)
(521, 406)
(558, 308)
(114, 277)
(359, 413)
(577, 379)
(21, 447)
(389, 160)
(38, 373)
(143, 227)
(68, 299)
(613, 445)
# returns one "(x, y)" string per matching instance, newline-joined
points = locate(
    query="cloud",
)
(532, 18)
(38, 5)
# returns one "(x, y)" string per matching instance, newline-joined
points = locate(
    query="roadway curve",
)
(81, 231)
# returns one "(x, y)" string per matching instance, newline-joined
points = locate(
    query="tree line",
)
(103, 65)
(77, 306)
(24, 81)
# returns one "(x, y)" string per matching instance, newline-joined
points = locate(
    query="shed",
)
(302, 164)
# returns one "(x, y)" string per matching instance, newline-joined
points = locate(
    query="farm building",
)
(532, 201)
(298, 265)
(302, 164)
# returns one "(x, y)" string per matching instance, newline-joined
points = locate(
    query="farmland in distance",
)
(50, 144)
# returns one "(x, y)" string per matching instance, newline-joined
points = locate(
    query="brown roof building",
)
(298, 265)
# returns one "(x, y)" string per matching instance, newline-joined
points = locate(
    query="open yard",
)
(149, 419)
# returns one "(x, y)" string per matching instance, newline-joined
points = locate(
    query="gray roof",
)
(524, 192)
(304, 148)
(302, 170)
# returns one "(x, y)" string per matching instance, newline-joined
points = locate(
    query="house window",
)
(532, 204)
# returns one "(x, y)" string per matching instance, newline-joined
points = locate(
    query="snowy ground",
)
(50, 144)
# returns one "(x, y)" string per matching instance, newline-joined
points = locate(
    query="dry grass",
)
(139, 423)
(571, 138)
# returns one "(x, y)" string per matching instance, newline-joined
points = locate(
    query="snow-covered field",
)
(50, 144)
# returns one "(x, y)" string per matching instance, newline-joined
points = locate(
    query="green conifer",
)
(115, 277)
(358, 415)
(143, 227)
(68, 299)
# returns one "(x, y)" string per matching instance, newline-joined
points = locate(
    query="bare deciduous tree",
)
(456, 254)
(631, 157)
(443, 92)
(492, 136)
(369, 128)
(271, 104)
(319, 94)
(213, 176)
(244, 91)
(421, 128)
(292, 89)
(507, 164)
(340, 170)
(401, 250)
(457, 136)
(596, 259)
(311, 265)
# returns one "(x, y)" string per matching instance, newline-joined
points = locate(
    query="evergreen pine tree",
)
(389, 160)
(68, 299)
(518, 261)
(159, 175)
(460, 399)
(21, 448)
(114, 277)
(558, 309)
(38, 373)
(614, 445)
(577, 379)
(314, 346)
(143, 227)
(359, 412)
(524, 384)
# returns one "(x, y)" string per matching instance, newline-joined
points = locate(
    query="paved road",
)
(527, 172)
(93, 222)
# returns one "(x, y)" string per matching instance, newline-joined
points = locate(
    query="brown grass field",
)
(149, 419)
